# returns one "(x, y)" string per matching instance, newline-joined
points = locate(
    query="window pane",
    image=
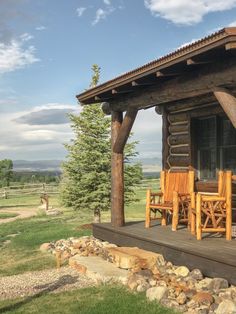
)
(207, 167)
(207, 133)
(228, 134)
(229, 158)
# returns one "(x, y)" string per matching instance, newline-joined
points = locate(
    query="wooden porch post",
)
(117, 174)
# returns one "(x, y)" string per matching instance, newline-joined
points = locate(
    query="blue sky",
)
(47, 49)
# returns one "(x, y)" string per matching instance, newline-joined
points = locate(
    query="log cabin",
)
(194, 90)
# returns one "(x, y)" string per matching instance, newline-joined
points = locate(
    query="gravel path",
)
(51, 280)
(21, 214)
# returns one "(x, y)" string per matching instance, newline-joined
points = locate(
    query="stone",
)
(181, 271)
(53, 212)
(45, 247)
(196, 274)
(182, 298)
(98, 269)
(203, 298)
(152, 282)
(146, 273)
(203, 284)
(226, 307)
(143, 287)
(167, 302)
(156, 293)
(133, 257)
(134, 280)
(218, 283)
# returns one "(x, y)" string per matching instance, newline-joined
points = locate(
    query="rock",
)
(146, 273)
(226, 307)
(152, 282)
(135, 280)
(156, 293)
(203, 298)
(181, 271)
(53, 212)
(143, 287)
(167, 302)
(182, 298)
(196, 274)
(133, 257)
(45, 247)
(218, 283)
(203, 284)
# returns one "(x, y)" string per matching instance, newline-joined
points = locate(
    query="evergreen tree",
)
(6, 171)
(86, 180)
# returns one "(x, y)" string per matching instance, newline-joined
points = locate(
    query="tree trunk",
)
(97, 216)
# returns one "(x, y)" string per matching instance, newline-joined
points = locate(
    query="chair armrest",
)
(213, 198)
(156, 194)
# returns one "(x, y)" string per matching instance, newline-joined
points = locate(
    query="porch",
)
(215, 256)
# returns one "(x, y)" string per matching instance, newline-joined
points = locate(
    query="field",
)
(19, 245)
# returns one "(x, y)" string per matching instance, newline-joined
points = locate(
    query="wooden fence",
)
(28, 189)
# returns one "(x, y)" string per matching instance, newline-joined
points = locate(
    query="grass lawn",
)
(7, 215)
(102, 299)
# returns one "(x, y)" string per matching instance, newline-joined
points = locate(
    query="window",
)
(216, 146)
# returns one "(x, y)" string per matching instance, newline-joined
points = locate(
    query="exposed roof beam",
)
(191, 61)
(163, 74)
(115, 91)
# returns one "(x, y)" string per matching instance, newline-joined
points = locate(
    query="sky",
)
(47, 49)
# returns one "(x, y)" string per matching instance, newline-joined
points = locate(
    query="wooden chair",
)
(214, 212)
(174, 198)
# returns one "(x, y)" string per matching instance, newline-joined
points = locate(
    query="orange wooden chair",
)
(214, 212)
(174, 198)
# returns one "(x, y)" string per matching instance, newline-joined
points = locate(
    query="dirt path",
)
(22, 213)
(39, 282)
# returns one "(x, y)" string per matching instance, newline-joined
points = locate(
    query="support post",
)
(117, 174)
(165, 134)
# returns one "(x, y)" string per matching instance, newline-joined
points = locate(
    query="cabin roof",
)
(214, 43)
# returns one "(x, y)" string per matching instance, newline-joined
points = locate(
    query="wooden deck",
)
(215, 256)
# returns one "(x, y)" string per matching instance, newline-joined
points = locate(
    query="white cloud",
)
(187, 43)
(14, 55)
(40, 28)
(233, 24)
(80, 11)
(101, 14)
(27, 141)
(187, 12)
(26, 37)
(107, 2)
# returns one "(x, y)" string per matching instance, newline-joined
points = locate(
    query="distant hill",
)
(37, 165)
(150, 165)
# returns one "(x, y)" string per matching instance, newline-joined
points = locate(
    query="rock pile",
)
(173, 286)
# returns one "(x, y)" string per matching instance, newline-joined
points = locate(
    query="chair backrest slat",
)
(180, 182)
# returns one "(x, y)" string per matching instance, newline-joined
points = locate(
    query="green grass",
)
(22, 252)
(7, 215)
(102, 299)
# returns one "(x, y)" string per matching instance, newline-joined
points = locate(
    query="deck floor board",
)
(213, 254)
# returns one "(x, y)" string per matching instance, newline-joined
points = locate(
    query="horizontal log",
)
(180, 150)
(192, 84)
(106, 108)
(178, 161)
(179, 128)
(178, 139)
(177, 118)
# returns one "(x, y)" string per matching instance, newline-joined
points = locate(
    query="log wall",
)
(178, 144)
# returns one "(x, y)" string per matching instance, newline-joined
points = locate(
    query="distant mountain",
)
(37, 165)
(149, 165)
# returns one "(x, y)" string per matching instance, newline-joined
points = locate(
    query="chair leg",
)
(148, 211)
(163, 218)
(198, 218)
(175, 218)
(192, 214)
(228, 222)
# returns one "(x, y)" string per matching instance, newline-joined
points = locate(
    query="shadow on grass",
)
(47, 288)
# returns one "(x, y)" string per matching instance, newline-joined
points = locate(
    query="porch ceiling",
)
(179, 62)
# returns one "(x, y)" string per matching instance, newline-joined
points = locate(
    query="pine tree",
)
(86, 181)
